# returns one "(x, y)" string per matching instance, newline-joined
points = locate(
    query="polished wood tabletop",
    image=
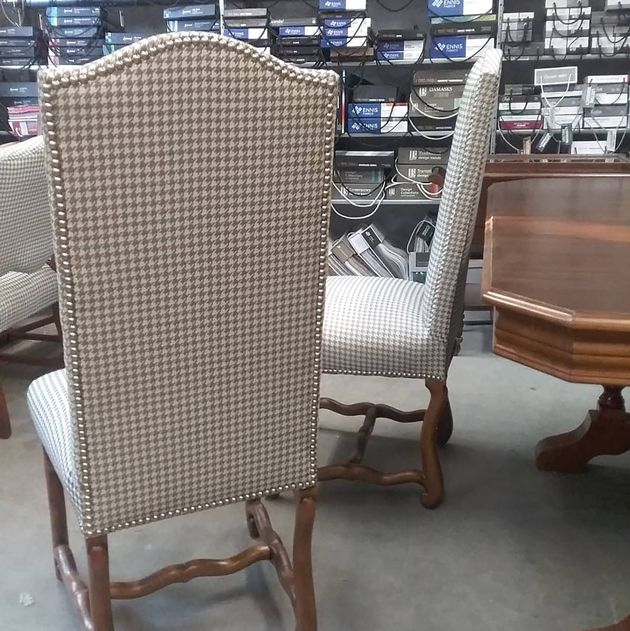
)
(557, 271)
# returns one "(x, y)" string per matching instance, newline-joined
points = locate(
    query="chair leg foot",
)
(5, 423)
(57, 508)
(100, 597)
(433, 480)
(306, 613)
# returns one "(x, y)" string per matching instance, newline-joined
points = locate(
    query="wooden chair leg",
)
(57, 508)
(445, 426)
(306, 612)
(433, 493)
(5, 423)
(100, 598)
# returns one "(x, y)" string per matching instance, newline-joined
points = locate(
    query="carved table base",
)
(606, 431)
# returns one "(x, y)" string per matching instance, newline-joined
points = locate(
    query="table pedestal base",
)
(624, 625)
(606, 431)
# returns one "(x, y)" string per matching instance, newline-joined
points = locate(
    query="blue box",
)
(364, 110)
(459, 47)
(59, 12)
(342, 5)
(337, 42)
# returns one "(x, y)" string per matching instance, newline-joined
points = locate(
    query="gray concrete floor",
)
(512, 549)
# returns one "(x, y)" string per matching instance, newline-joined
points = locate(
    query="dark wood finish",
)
(624, 625)
(5, 423)
(93, 603)
(184, 572)
(98, 568)
(437, 426)
(556, 268)
(605, 431)
(506, 168)
(57, 506)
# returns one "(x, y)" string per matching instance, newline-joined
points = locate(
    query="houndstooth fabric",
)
(49, 405)
(192, 169)
(25, 228)
(372, 326)
(389, 327)
(23, 295)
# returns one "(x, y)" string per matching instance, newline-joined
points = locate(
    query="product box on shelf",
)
(459, 48)
(440, 76)
(363, 159)
(421, 155)
(449, 8)
(190, 12)
(342, 5)
(192, 25)
(380, 118)
(400, 51)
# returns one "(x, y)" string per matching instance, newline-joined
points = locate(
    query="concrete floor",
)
(512, 549)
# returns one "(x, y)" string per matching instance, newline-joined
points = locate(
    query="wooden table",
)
(557, 270)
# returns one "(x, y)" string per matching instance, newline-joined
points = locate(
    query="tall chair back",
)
(190, 183)
(25, 228)
(443, 300)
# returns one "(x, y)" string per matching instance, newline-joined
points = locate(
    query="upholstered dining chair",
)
(398, 328)
(28, 285)
(191, 382)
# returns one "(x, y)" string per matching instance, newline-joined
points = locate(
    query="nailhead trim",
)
(52, 80)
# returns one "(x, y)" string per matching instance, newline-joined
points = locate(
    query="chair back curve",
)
(190, 181)
(443, 302)
(25, 229)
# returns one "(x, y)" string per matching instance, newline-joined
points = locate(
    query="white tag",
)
(611, 141)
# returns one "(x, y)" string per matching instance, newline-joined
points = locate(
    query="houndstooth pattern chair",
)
(397, 328)
(191, 383)
(27, 284)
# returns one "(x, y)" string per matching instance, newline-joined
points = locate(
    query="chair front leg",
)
(433, 480)
(5, 423)
(57, 508)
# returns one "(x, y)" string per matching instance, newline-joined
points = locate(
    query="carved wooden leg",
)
(445, 427)
(5, 423)
(306, 614)
(433, 481)
(57, 508)
(100, 599)
(606, 431)
(624, 625)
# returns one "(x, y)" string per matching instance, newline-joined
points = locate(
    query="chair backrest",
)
(190, 181)
(442, 305)
(25, 229)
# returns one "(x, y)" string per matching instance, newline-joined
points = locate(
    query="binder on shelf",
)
(342, 5)
(362, 247)
(358, 159)
(189, 12)
(459, 48)
(423, 155)
(448, 8)
(348, 257)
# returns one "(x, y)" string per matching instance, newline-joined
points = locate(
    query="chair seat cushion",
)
(50, 410)
(372, 326)
(22, 295)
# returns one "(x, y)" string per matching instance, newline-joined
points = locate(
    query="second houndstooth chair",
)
(397, 328)
(192, 380)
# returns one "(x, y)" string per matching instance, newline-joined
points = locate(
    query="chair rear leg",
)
(57, 507)
(445, 426)
(306, 613)
(433, 483)
(100, 597)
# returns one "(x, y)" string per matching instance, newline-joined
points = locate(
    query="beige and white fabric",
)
(25, 227)
(391, 327)
(187, 171)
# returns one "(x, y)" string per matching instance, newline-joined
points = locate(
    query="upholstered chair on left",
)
(28, 284)
(191, 380)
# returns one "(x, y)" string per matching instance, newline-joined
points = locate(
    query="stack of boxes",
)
(21, 46)
(610, 33)
(345, 30)
(116, 41)
(520, 108)
(248, 25)
(359, 176)
(20, 111)
(76, 34)
(400, 46)
(376, 110)
(435, 98)
(297, 40)
(567, 27)
(195, 17)
(415, 171)
(461, 29)
(606, 102)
